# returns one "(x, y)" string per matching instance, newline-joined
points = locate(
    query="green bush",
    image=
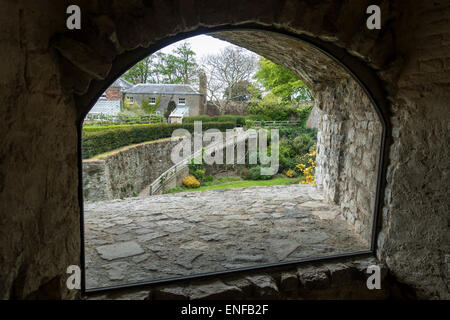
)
(97, 140)
(303, 114)
(208, 178)
(245, 174)
(291, 133)
(273, 108)
(302, 143)
(170, 107)
(255, 174)
(199, 174)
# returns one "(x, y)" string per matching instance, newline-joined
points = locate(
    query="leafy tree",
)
(185, 65)
(281, 82)
(179, 66)
(140, 71)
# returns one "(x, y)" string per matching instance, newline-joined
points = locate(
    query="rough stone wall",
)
(95, 180)
(414, 237)
(348, 149)
(349, 131)
(39, 214)
(127, 171)
(50, 77)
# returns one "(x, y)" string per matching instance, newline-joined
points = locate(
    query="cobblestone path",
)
(181, 234)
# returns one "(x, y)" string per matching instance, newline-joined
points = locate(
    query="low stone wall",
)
(125, 172)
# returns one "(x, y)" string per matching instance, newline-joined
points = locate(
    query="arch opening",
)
(351, 131)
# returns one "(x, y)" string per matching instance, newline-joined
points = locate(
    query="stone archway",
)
(346, 104)
(47, 91)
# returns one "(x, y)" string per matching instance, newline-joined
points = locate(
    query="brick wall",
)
(113, 94)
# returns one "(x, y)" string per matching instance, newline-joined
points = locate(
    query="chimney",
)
(202, 90)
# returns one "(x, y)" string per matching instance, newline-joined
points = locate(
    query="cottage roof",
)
(121, 83)
(160, 88)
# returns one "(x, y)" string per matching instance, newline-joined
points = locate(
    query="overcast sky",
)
(202, 45)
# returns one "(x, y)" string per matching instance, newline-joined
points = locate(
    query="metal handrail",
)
(170, 173)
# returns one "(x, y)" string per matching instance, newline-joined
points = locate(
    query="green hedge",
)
(235, 119)
(97, 140)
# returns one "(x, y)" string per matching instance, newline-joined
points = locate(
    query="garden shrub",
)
(197, 169)
(255, 174)
(191, 182)
(208, 178)
(302, 143)
(245, 174)
(170, 107)
(97, 140)
(291, 173)
(199, 174)
(308, 166)
(303, 114)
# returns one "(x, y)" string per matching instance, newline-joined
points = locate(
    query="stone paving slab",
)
(119, 250)
(181, 234)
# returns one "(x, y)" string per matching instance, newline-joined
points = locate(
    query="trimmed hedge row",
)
(97, 140)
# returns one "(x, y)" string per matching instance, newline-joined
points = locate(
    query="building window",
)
(152, 100)
(182, 101)
(130, 99)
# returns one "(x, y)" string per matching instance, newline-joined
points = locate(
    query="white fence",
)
(102, 119)
(275, 124)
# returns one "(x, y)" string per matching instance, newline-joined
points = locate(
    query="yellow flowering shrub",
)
(309, 169)
(191, 182)
(289, 173)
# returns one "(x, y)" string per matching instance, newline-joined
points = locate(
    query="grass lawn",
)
(237, 182)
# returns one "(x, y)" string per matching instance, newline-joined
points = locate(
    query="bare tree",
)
(225, 70)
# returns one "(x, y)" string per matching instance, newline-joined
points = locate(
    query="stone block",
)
(171, 292)
(313, 278)
(215, 290)
(289, 282)
(119, 250)
(265, 287)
